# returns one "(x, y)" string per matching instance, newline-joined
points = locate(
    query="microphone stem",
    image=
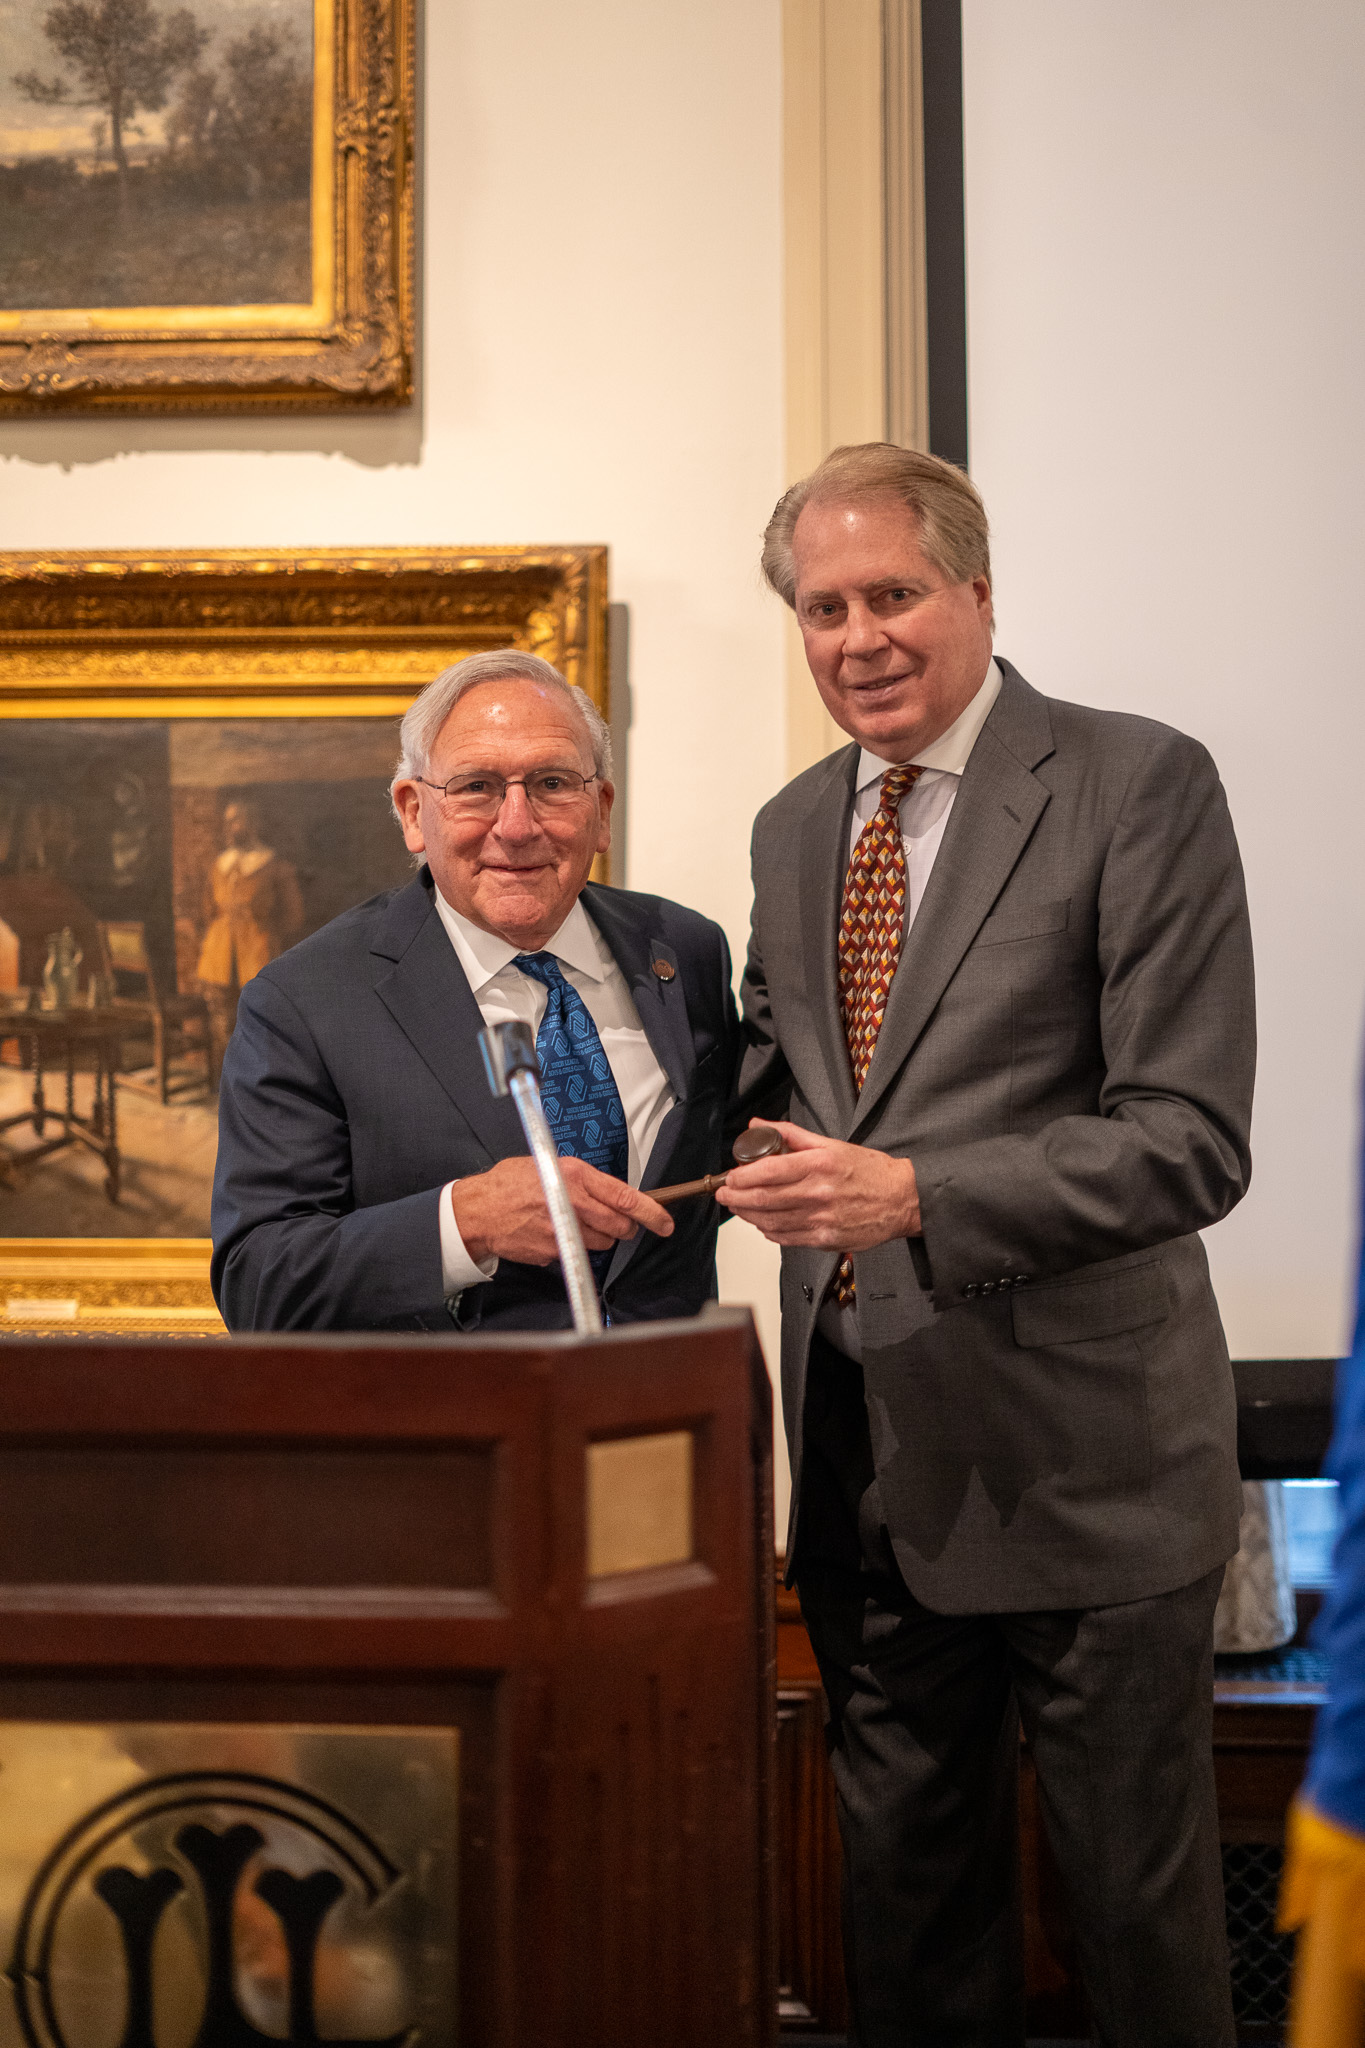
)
(573, 1257)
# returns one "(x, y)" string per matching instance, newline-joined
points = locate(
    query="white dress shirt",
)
(924, 813)
(926, 808)
(505, 995)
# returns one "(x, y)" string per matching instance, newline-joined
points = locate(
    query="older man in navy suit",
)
(366, 1176)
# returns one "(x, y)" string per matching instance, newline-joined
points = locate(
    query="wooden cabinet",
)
(810, 1949)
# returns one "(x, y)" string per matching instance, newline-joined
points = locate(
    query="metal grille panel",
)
(1262, 1959)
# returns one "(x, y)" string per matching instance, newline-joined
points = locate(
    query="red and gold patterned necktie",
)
(871, 929)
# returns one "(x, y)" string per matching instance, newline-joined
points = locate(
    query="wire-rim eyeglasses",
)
(479, 793)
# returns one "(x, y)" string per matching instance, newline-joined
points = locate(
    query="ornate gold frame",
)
(242, 634)
(351, 348)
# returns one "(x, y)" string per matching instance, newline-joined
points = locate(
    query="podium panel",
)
(398, 1690)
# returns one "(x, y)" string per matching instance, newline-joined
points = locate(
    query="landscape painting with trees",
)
(155, 155)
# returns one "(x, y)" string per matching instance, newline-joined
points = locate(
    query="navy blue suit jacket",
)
(353, 1090)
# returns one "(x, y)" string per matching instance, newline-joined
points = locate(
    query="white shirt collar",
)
(483, 954)
(950, 750)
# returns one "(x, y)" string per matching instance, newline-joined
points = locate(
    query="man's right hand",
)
(502, 1213)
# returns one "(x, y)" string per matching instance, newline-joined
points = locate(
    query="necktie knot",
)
(895, 782)
(542, 967)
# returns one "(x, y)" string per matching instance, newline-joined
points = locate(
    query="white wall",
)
(1166, 294)
(601, 361)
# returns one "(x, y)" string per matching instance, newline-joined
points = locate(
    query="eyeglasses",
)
(478, 793)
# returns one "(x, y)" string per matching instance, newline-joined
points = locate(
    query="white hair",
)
(428, 713)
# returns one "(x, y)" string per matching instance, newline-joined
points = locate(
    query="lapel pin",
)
(664, 970)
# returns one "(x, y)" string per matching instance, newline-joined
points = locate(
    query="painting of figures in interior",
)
(155, 154)
(148, 868)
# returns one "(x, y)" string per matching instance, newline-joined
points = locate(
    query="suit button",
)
(970, 1291)
(988, 1287)
(1021, 1280)
(806, 1292)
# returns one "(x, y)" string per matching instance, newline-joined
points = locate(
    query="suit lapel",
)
(994, 814)
(822, 864)
(662, 1005)
(662, 1008)
(423, 986)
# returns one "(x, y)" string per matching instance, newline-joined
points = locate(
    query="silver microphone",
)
(509, 1055)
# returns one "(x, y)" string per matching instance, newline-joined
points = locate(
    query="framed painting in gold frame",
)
(231, 230)
(188, 741)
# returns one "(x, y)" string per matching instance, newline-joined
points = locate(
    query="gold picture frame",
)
(251, 635)
(349, 347)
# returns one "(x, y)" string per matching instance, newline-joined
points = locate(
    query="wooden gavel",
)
(763, 1143)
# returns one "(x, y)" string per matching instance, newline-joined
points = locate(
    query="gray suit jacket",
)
(1067, 1057)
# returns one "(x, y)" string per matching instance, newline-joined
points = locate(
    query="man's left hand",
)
(825, 1193)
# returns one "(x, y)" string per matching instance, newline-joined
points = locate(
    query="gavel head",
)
(763, 1142)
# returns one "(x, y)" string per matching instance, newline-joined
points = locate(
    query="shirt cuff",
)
(458, 1270)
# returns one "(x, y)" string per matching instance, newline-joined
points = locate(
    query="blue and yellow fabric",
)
(1323, 1895)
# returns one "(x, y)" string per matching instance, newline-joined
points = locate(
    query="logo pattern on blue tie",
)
(579, 1093)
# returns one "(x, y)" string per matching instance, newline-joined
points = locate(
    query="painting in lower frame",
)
(195, 750)
(148, 869)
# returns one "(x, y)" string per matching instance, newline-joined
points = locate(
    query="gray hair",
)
(428, 712)
(948, 508)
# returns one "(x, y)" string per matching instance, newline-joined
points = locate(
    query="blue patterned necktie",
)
(577, 1087)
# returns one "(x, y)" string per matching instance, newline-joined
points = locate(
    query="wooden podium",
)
(387, 1689)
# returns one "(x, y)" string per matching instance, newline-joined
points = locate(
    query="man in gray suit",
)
(999, 997)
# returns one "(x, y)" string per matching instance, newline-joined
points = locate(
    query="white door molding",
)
(853, 182)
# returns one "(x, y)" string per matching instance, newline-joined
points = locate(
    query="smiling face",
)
(896, 650)
(517, 875)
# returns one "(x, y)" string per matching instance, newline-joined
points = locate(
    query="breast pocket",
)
(1025, 921)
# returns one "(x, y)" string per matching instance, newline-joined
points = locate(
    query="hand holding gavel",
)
(762, 1143)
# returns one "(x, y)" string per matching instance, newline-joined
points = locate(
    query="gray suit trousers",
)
(923, 1733)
